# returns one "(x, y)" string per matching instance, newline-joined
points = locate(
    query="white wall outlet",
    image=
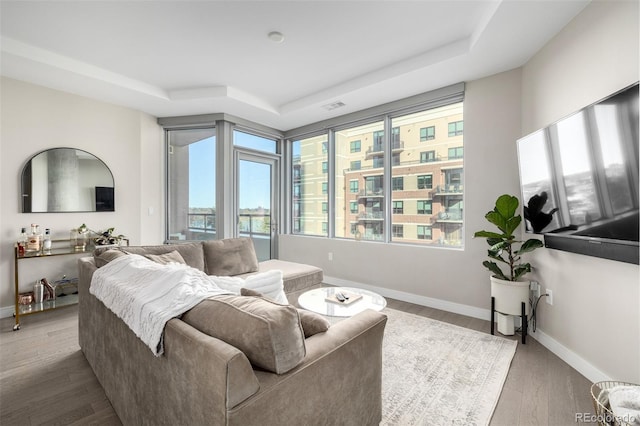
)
(330, 256)
(549, 297)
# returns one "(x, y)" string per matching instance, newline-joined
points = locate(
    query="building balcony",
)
(371, 193)
(365, 216)
(449, 189)
(378, 149)
(448, 216)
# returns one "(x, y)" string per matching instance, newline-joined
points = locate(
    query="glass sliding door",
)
(257, 201)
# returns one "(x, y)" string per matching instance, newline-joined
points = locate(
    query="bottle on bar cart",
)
(34, 243)
(22, 242)
(46, 244)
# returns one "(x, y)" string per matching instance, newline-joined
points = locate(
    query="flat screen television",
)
(579, 179)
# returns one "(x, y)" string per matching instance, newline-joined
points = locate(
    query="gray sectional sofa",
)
(205, 380)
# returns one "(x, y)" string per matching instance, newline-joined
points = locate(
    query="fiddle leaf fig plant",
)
(503, 245)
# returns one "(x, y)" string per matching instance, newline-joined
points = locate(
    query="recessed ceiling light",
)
(276, 36)
(333, 105)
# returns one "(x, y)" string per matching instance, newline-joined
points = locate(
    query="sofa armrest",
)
(338, 382)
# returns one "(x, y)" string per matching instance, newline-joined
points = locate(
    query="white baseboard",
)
(567, 355)
(6, 312)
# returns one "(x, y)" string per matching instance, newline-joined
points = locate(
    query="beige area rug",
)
(436, 373)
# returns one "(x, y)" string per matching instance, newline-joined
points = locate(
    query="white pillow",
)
(268, 283)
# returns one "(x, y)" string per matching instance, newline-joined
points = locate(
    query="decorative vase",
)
(509, 296)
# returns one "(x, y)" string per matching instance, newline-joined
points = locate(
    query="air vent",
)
(333, 105)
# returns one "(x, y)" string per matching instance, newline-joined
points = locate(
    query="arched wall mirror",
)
(66, 180)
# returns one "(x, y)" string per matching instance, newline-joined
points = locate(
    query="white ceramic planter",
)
(509, 295)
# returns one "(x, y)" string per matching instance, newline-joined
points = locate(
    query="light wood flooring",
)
(45, 379)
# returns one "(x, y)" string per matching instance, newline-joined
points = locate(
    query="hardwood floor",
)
(45, 379)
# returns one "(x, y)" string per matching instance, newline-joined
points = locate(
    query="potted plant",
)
(508, 288)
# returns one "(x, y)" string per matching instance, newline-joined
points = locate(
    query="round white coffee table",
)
(316, 300)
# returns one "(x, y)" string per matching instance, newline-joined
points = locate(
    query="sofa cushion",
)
(231, 256)
(104, 255)
(165, 258)
(269, 334)
(190, 252)
(311, 322)
(297, 276)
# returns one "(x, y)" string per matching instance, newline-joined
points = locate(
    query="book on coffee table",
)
(352, 297)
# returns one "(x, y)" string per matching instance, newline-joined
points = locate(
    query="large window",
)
(353, 182)
(258, 143)
(424, 181)
(310, 199)
(191, 200)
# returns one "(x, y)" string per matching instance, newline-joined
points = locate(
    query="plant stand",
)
(523, 316)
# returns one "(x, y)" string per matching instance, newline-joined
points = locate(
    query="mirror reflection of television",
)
(579, 179)
(104, 199)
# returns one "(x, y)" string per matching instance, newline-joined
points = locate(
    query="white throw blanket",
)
(146, 295)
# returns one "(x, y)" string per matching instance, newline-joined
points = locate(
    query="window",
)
(325, 147)
(325, 228)
(424, 207)
(191, 198)
(309, 204)
(455, 153)
(355, 146)
(397, 230)
(254, 142)
(424, 232)
(349, 180)
(427, 133)
(378, 162)
(325, 207)
(427, 156)
(378, 140)
(398, 207)
(455, 128)
(397, 183)
(425, 182)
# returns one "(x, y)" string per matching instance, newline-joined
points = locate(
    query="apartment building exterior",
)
(427, 180)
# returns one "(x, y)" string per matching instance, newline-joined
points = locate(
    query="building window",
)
(427, 156)
(355, 146)
(353, 206)
(397, 183)
(398, 231)
(325, 167)
(325, 147)
(325, 188)
(325, 228)
(296, 190)
(455, 128)
(424, 207)
(455, 153)
(355, 165)
(425, 182)
(354, 229)
(427, 133)
(424, 232)
(398, 207)
(325, 207)
(378, 162)
(353, 186)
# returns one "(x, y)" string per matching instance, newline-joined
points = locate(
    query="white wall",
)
(34, 118)
(596, 311)
(422, 274)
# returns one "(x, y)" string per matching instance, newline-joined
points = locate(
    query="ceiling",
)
(173, 58)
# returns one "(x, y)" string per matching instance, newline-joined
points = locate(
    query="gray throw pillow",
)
(312, 323)
(102, 256)
(269, 334)
(231, 256)
(163, 259)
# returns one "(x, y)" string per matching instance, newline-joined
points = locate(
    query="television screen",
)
(579, 179)
(104, 199)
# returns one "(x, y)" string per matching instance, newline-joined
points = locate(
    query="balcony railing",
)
(368, 193)
(378, 149)
(371, 216)
(449, 189)
(202, 222)
(452, 215)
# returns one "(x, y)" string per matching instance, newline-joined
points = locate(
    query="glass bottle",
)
(33, 243)
(22, 242)
(46, 244)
